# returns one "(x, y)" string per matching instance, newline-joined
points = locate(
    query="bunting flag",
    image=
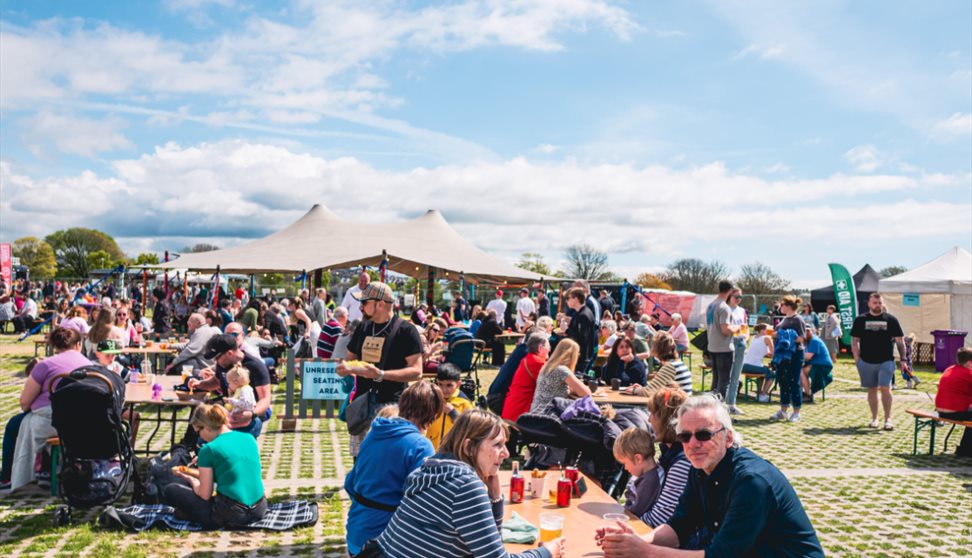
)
(846, 294)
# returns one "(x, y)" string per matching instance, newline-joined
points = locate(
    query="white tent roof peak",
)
(949, 273)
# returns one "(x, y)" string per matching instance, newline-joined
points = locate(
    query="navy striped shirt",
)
(446, 513)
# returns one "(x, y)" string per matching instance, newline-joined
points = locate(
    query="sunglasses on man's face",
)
(703, 435)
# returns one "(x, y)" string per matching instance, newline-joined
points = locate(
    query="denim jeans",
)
(788, 374)
(9, 443)
(739, 344)
(721, 369)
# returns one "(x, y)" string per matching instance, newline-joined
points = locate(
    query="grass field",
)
(864, 491)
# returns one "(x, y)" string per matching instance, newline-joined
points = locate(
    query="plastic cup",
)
(551, 526)
(536, 486)
(613, 518)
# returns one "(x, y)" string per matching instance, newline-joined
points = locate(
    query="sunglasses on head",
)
(703, 435)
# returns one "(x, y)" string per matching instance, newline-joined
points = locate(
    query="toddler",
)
(242, 398)
(910, 377)
(635, 449)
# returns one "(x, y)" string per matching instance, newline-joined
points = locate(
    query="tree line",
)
(684, 274)
(78, 251)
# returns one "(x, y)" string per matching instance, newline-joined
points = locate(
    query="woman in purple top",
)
(35, 400)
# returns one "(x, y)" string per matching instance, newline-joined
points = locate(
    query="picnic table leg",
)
(931, 442)
(947, 436)
(158, 424)
(914, 448)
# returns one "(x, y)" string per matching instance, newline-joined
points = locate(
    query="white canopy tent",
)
(936, 295)
(322, 240)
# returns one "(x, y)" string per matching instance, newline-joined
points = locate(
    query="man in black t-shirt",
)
(873, 338)
(391, 347)
(582, 328)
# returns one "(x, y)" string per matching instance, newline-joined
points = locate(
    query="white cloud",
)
(957, 125)
(763, 52)
(233, 189)
(72, 134)
(864, 158)
(546, 148)
(778, 168)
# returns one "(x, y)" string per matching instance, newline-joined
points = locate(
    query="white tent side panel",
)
(961, 310)
(932, 313)
(697, 318)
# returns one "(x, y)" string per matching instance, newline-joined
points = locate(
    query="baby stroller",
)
(96, 456)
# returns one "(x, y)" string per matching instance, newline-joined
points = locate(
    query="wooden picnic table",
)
(169, 402)
(619, 398)
(155, 352)
(509, 336)
(581, 519)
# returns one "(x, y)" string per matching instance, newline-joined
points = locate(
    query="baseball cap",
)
(375, 290)
(108, 347)
(499, 292)
(220, 344)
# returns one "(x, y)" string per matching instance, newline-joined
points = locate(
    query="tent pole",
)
(252, 287)
(318, 278)
(624, 296)
(383, 267)
(166, 273)
(144, 289)
(430, 293)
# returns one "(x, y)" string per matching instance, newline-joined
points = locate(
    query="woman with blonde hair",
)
(229, 462)
(556, 378)
(455, 500)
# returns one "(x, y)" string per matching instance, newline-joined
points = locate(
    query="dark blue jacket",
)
(746, 507)
(393, 449)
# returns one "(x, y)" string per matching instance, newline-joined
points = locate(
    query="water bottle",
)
(135, 375)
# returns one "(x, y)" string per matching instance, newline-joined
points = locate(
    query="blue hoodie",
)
(393, 449)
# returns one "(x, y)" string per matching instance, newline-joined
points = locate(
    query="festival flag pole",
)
(214, 301)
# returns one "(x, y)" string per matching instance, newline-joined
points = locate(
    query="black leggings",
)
(965, 446)
(218, 511)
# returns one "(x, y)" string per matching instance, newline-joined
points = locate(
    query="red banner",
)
(6, 268)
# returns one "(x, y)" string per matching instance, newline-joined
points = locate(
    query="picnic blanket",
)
(139, 517)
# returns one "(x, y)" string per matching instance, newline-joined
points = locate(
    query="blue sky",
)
(794, 133)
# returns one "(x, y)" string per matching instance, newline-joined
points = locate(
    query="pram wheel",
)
(62, 516)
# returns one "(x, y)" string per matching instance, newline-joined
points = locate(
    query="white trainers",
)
(778, 415)
(908, 385)
(795, 417)
(873, 423)
(763, 398)
(888, 425)
(735, 411)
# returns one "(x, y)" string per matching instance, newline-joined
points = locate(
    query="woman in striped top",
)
(453, 506)
(672, 368)
(662, 406)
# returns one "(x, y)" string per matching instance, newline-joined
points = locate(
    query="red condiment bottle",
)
(564, 488)
(517, 484)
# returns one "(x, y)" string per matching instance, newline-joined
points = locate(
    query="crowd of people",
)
(427, 458)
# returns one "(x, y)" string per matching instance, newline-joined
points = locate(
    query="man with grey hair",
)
(319, 307)
(735, 503)
(191, 353)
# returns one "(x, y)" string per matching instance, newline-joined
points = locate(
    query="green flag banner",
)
(846, 294)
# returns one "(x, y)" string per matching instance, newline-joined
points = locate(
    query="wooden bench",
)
(930, 419)
(55, 444)
(705, 372)
(756, 380)
(38, 343)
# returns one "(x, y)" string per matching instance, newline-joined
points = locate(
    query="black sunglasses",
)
(703, 435)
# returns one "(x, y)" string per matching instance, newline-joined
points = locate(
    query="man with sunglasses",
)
(735, 503)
